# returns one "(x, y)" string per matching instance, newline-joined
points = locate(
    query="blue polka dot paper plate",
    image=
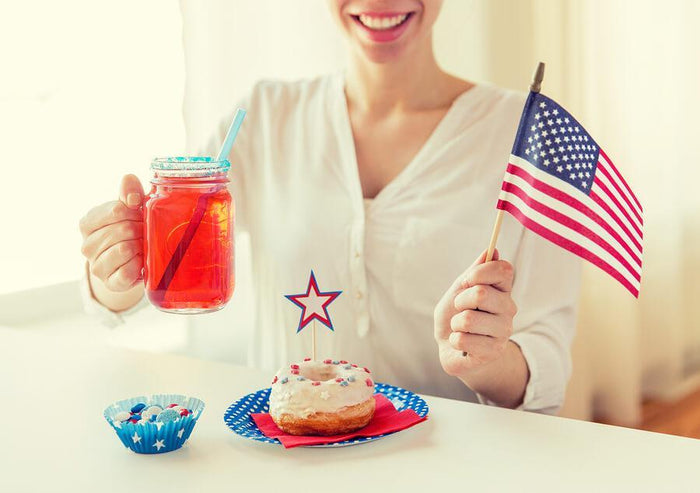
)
(237, 416)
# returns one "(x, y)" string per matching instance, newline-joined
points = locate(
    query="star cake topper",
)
(314, 304)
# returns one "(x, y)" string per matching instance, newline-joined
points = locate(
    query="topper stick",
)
(313, 341)
(535, 86)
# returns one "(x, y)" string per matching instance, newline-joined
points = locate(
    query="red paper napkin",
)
(386, 420)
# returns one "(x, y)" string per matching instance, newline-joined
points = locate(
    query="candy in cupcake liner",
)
(155, 436)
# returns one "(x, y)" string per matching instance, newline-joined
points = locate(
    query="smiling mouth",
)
(382, 22)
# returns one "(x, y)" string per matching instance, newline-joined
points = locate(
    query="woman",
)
(383, 180)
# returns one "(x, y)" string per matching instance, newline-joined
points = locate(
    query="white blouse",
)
(297, 191)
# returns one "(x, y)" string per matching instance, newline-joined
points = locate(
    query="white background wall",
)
(88, 92)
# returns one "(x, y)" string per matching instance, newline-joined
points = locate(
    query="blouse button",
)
(359, 295)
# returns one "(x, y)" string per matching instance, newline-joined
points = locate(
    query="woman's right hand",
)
(113, 245)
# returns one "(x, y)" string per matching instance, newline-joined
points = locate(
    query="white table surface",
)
(54, 438)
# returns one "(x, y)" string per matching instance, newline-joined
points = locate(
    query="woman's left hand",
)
(475, 316)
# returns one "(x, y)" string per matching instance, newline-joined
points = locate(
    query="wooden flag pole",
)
(535, 86)
(313, 340)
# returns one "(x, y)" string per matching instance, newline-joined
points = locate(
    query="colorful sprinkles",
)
(294, 369)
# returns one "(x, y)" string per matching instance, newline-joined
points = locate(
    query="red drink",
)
(188, 240)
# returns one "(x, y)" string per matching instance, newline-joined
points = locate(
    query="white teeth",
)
(382, 23)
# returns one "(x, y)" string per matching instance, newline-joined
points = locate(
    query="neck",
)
(415, 82)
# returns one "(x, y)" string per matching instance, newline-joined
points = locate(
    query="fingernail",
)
(133, 199)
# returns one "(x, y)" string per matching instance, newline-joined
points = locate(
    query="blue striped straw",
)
(231, 134)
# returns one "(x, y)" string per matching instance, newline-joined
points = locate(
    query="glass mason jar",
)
(188, 237)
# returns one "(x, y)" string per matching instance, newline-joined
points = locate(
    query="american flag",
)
(560, 184)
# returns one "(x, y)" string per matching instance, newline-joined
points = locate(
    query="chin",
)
(383, 54)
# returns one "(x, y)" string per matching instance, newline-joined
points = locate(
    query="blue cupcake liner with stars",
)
(237, 416)
(155, 437)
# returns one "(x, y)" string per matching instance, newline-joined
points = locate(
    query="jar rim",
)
(189, 166)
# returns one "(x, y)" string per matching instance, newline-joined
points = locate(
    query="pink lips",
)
(384, 35)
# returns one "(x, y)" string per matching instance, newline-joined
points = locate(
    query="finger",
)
(461, 282)
(126, 276)
(104, 238)
(482, 258)
(131, 192)
(485, 298)
(114, 257)
(479, 347)
(498, 273)
(106, 214)
(482, 323)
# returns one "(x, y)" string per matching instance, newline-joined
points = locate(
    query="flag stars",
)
(557, 144)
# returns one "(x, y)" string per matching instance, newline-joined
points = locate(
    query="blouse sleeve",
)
(546, 289)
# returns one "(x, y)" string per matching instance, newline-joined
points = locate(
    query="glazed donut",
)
(326, 397)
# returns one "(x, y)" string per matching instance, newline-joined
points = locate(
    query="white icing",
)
(301, 398)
